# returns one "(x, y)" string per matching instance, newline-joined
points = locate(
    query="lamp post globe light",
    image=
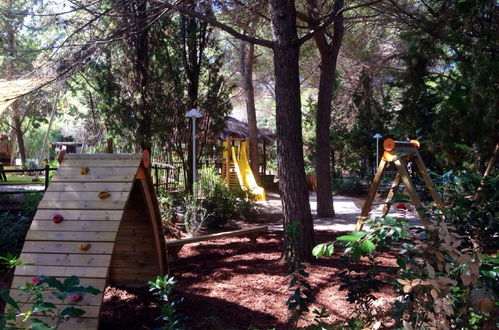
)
(193, 114)
(377, 136)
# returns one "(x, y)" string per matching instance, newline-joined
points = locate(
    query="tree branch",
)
(192, 13)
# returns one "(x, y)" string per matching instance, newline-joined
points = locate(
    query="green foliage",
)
(162, 288)
(450, 84)
(194, 215)
(66, 291)
(302, 294)
(13, 229)
(348, 186)
(221, 203)
(473, 205)
(29, 204)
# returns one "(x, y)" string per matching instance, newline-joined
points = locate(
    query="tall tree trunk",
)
(19, 136)
(247, 58)
(292, 182)
(329, 56)
(323, 165)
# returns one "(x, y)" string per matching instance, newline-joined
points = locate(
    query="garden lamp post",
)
(377, 136)
(193, 114)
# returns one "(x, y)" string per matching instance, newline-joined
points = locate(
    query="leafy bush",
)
(194, 215)
(347, 186)
(30, 202)
(219, 201)
(66, 291)
(473, 205)
(163, 287)
(13, 229)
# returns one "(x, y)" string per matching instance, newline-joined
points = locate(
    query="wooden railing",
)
(46, 171)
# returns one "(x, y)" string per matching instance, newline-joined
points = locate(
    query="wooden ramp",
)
(110, 231)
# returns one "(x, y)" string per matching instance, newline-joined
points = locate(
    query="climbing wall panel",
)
(98, 220)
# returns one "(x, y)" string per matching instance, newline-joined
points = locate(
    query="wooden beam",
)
(366, 209)
(393, 190)
(416, 201)
(429, 183)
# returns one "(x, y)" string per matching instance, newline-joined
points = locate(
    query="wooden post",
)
(156, 176)
(366, 209)
(416, 201)
(393, 190)
(427, 180)
(47, 170)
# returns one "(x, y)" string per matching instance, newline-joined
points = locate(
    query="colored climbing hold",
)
(103, 194)
(75, 297)
(401, 206)
(84, 246)
(57, 218)
(84, 170)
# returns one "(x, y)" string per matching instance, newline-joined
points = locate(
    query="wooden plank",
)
(67, 247)
(100, 163)
(132, 258)
(416, 201)
(117, 272)
(87, 300)
(82, 323)
(93, 178)
(90, 311)
(78, 236)
(97, 272)
(100, 171)
(90, 215)
(60, 259)
(83, 196)
(84, 204)
(89, 186)
(240, 232)
(68, 225)
(98, 283)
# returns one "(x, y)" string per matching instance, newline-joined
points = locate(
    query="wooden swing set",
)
(400, 153)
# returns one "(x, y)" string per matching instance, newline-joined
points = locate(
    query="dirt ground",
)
(226, 284)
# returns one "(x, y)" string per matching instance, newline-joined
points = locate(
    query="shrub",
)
(219, 201)
(162, 288)
(13, 229)
(66, 291)
(347, 186)
(194, 215)
(473, 204)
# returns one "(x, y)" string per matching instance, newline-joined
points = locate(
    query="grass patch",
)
(21, 179)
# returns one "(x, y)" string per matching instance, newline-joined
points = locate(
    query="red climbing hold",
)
(75, 297)
(401, 206)
(57, 218)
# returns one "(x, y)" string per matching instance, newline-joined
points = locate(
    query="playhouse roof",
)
(237, 128)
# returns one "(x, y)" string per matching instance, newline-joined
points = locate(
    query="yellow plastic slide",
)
(245, 175)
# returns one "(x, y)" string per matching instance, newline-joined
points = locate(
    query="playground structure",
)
(400, 153)
(236, 170)
(98, 220)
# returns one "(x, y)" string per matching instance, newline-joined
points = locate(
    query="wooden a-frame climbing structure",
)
(98, 220)
(400, 153)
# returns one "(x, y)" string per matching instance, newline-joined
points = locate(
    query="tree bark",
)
(323, 161)
(329, 57)
(247, 58)
(19, 136)
(292, 182)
